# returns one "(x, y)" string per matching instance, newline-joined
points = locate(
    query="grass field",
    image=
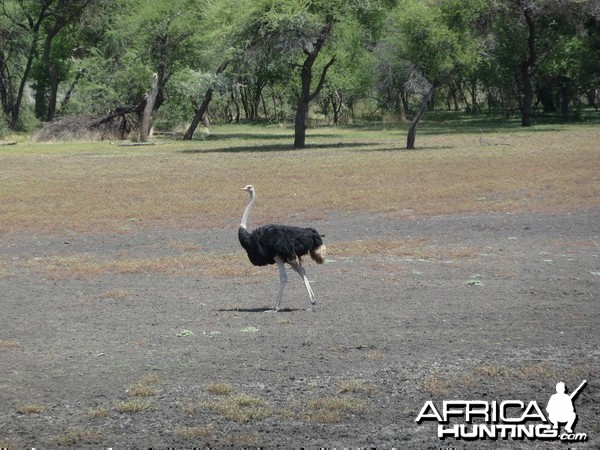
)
(457, 167)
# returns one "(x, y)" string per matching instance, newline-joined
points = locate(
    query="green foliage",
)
(390, 49)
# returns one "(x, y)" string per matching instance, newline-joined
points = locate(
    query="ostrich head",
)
(249, 189)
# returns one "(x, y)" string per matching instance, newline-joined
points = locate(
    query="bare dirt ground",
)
(493, 307)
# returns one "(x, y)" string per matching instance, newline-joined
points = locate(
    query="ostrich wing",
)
(287, 241)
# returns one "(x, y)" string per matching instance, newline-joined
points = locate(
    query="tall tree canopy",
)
(285, 60)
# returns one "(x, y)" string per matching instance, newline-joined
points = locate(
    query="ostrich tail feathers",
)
(319, 253)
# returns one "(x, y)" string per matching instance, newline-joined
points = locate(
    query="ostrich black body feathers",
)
(288, 242)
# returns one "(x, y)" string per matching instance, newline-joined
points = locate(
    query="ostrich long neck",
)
(247, 211)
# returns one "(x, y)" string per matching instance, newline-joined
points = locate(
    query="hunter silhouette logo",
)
(508, 419)
(560, 407)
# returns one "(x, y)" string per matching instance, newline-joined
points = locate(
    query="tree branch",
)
(322, 79)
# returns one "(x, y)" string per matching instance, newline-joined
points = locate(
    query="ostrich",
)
(270, 244)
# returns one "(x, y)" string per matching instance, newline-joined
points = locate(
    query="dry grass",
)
(242, 408)
(332, 409)
(132, 406)
(354, 386)
(242, 439)
(146, 387)
(218, 388)
(532, 371)
(97, 412)
(437, 384)
(409, 248)
(225, 265)
(79, 435)
(31, 408)
(116, 294)
(97, 187)
(85, 265)
(441, 384)
(194, 432)
(9, 344)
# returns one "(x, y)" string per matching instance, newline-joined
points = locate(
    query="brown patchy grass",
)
(441, 384)
(354, 386)
(218, 388)
(242, 408)
(97, 187)
(96, 412)
(31, 408)
(409, 248)
(79, 435)
(6, 344)
(132, 406)
(146, 387)
(194, 432)
(332, 409)
(85, 265)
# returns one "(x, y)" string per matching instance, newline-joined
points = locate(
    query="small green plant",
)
(474, 280)
(185, 333)
(249, 330)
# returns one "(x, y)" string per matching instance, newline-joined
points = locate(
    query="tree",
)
(352, 77)
(60, 15)
(22, 23)
(306, 75)
(294, 31)
(528, 55)
(30, 29)
(537, 39)
(201, 110)
(166, 39)
(433, 43)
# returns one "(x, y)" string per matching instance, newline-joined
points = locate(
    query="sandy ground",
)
(506, 318)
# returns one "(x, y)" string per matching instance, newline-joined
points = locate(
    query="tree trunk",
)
(527, 108)
(565, 100)
(189, 133)
(147, 114)
(412, 131)
(52, 72)
(306, 78)
(527, 69)
(300, 125)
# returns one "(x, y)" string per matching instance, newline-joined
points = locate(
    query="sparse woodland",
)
(297, 62)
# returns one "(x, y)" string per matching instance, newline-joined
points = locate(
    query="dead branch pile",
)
(116, 125)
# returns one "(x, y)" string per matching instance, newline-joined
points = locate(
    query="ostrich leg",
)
(298, 268)
(282, 281)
